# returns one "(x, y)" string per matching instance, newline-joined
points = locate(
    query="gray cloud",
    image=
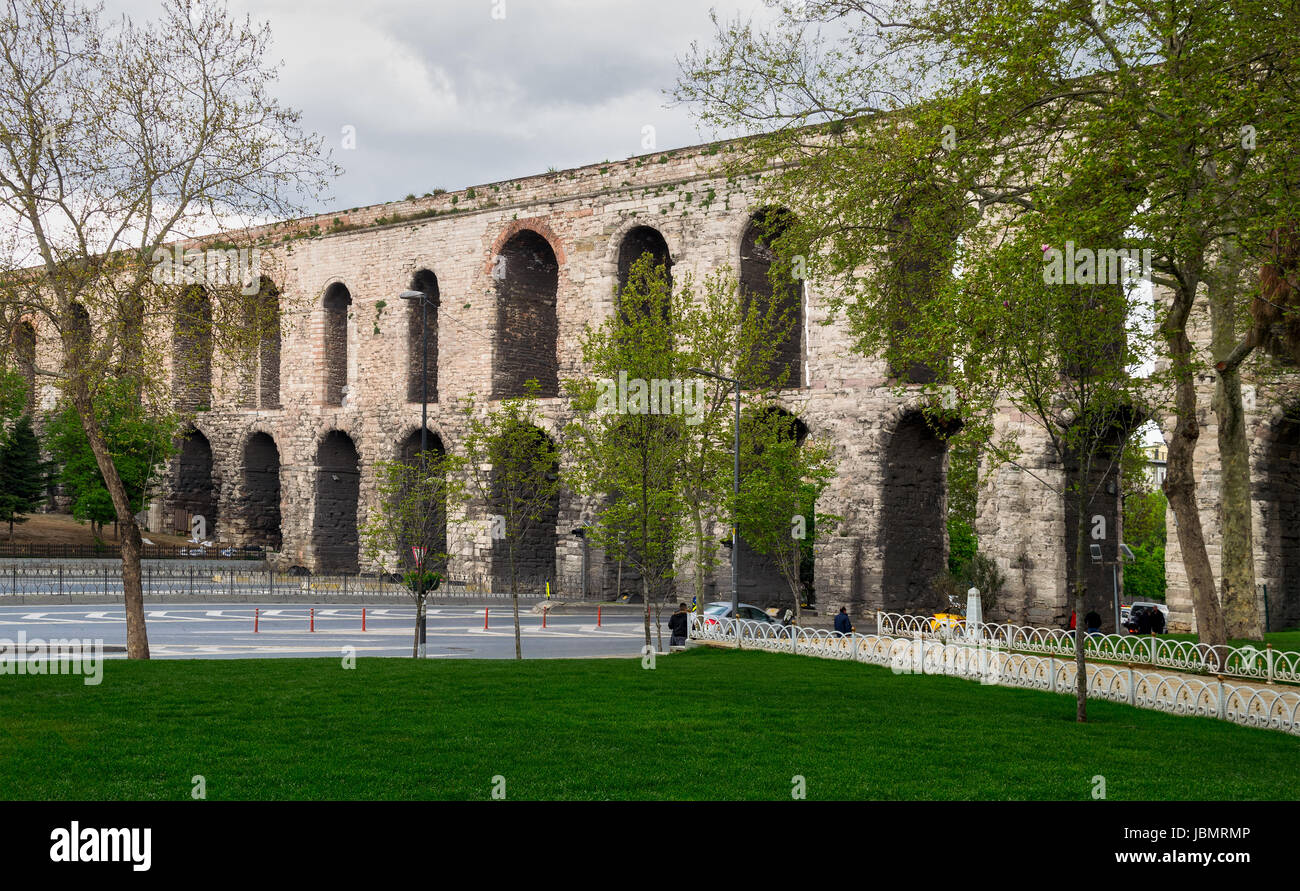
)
(444, 96)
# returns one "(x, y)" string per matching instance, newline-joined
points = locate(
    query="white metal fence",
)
(988, 661)
(1249, 663)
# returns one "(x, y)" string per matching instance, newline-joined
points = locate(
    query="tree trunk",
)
(1237, 569)
(645, 594)
(1180, 482)
(137, 638)
(1080, 588)
(1241, 613)
(514, 602)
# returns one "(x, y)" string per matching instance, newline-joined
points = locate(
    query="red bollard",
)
(543, 617)
(597, 617)
(256, 611)
(363, 618)
(313, 619)
(485, 617)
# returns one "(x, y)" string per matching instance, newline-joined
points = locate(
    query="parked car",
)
(721, 609)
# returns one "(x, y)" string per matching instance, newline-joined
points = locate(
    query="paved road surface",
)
(217, 631)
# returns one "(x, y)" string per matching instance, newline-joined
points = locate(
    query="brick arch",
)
(538, 550)
(540, 226)
(609, 265)
(434, 536)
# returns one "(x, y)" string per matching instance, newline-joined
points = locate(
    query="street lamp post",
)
(424, 433)
(735, 525)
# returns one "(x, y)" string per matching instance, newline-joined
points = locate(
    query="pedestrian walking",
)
(677, 627)
(843, 624)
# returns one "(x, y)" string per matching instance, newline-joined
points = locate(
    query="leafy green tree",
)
(1180, 118)
(781, 480)
(139, 443)
(413, 498)
(631, 461)
(121, 140)
(22, 473)
(512, 468)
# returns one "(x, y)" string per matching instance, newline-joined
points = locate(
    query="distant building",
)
(1157, 457)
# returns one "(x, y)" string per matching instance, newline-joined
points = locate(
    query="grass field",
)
(703, 724)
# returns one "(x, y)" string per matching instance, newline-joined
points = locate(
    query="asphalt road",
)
(225, 631)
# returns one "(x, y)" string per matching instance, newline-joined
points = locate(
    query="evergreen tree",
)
(22, 473)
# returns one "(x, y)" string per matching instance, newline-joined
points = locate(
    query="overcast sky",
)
(444, 95)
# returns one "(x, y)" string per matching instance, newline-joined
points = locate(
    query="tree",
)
(118, 139)
(22, 473)
(138, 443)
(629, 456)
(512, 468)
(782, 478)
(413, 498)
(1182, 116)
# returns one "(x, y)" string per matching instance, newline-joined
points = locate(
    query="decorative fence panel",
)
(987, 660)
(1250, 663)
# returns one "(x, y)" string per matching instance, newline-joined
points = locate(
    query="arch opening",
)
(24, 343)
(769, 286)
(335, 539)
(192, 350)
(337, 304)
(1280, 492)
(193, 491)
(418, 310)
(536, 548)
(526, 276)
(262, 492)
(913, 520)
(434, 534)
(638, 242)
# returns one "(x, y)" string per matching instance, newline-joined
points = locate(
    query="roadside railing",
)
(36, 550)
(209, 581)
(1252, 663)
(986, 660)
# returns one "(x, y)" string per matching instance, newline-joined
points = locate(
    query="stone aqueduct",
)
(283, 457)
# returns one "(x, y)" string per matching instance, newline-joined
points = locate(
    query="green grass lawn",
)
(704, 724)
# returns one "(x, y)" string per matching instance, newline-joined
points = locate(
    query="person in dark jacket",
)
(1092, 622)
(677, 627)
(842, 622)
(1157, 620)
(1144, 620)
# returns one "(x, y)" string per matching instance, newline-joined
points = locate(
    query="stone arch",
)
(337, 305)
(24, 345)
(193, 490)
(759, 580)
(913, 517)
(335, 540)
(638, 241)
(536, 552)
(760, 293)
(261, 501)
(1279, 490)
(417, 311)
(435, 535)
(916, 262)
(192, 350)
(526, 275)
